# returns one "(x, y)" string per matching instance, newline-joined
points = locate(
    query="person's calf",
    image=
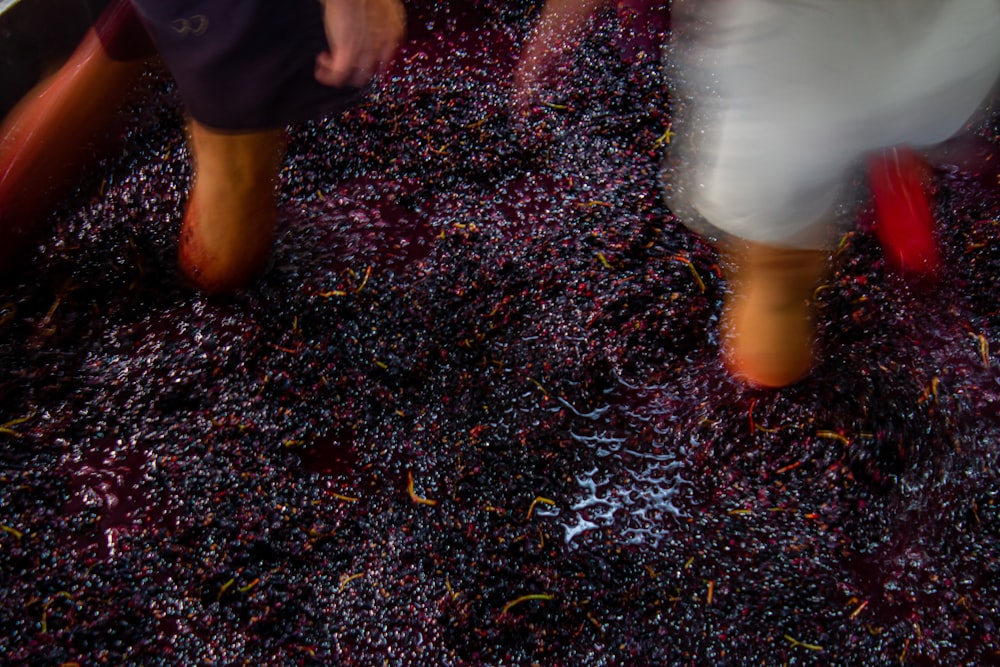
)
(767, 321)
(52, 133)
(230, 216)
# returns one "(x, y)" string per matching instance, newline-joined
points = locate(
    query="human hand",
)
(363, 36)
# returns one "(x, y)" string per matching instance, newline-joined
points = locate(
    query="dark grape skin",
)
(501, 309)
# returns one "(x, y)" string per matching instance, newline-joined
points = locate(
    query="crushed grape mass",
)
(474, 414)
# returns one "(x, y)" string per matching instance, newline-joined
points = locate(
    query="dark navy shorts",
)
(244, 64)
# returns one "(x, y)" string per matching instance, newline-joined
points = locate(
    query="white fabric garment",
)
(787, 95)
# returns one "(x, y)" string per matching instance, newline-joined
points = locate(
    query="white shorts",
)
(789, 94)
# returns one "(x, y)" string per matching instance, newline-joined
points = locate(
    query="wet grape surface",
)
(474, 413)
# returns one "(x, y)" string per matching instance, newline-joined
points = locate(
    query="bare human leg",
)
(768, 332)
(48, 136)
(232, 206)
